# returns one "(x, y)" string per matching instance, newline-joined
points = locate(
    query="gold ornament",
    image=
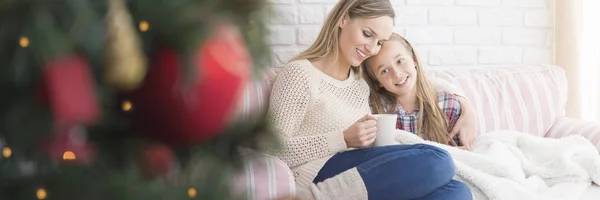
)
(125, 61)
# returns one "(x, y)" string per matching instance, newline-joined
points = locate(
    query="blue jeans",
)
(418, 171)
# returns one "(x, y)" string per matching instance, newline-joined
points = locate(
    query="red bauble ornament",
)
(156, 160)
(166, 107)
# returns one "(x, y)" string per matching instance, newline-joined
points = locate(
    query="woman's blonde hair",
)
(327, 42)
(434, 126)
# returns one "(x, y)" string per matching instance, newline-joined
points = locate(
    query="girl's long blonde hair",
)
(327, 42)
(435, 125)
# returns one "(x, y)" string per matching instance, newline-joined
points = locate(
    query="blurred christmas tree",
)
(126, 99)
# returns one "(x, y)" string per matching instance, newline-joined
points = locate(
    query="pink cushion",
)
(566, 126)
(524, 98)
(264, 177)
(255, 98)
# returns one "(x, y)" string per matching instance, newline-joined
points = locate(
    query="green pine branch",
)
(57, 28)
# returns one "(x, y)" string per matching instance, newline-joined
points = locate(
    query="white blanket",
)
(509, 165)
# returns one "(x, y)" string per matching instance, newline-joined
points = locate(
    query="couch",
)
(526, 98)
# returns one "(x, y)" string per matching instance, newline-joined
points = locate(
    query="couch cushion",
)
(527, 98)
(264, 177)
(256, 95)
(565, 126)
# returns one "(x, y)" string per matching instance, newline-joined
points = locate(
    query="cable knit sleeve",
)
(290, 99)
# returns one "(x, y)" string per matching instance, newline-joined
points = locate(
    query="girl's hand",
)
(362, 133)
(466, 126)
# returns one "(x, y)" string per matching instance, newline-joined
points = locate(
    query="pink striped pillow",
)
(264, 177)
(567, 126)
(255, 97)
(528, 98)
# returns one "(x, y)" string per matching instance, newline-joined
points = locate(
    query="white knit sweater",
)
(310, 110)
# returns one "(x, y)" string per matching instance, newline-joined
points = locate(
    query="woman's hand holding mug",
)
(362, 133)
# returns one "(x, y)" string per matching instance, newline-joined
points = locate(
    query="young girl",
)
(399, 85)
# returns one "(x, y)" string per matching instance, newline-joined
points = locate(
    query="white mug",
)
(386, 129)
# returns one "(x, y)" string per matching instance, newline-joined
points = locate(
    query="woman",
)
(319, 106)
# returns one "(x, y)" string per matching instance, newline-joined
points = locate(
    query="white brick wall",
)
(446, 33)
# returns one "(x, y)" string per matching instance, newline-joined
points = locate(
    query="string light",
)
(6, 152)
(126, 106)
(192, 192)
(24, 42)
(144, 26)
(69, 155)
(41, 193)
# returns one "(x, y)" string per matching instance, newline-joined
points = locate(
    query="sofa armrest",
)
(264, 177)
(568, 126)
